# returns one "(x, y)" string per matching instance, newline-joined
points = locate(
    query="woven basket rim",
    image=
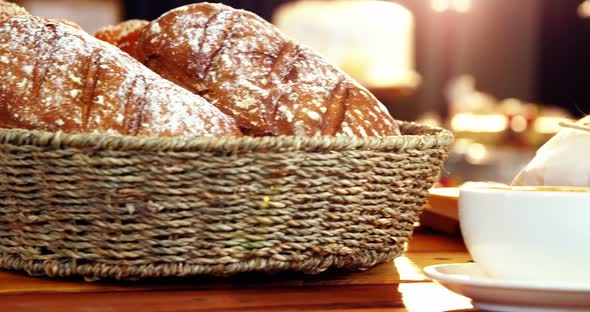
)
(414, 135)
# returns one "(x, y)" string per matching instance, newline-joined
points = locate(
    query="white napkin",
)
(563, 161)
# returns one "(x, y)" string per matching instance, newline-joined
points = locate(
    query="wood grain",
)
(272, 299)
(384, 297)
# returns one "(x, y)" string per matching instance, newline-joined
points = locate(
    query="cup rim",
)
(537, 190)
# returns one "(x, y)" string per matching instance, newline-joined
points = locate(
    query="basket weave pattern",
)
(105, 206)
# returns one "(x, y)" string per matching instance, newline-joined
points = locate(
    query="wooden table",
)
(399, 286)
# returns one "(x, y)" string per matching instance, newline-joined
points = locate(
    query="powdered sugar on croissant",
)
(251, 71)
(55, 77)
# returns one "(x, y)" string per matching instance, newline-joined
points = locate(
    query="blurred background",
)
(501, 74)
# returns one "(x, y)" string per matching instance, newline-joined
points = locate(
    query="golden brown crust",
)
(9, 9)
(69, 23)
(55, 77)
(123, 35)
(251, 71)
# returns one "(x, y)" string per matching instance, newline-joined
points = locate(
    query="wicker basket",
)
(105, 206)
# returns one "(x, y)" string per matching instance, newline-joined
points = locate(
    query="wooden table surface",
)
(398, 286)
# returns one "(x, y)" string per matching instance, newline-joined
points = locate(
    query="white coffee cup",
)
(528, 233)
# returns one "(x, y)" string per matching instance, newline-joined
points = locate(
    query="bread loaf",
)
(123, 35)
(9, 9)
(56, 77)
(251, 71)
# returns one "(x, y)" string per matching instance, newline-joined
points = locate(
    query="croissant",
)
(123, 35)
(56, 77)
(252, 72)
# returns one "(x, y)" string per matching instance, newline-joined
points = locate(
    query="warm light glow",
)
(440, 5)
(548, 124)
(350, 33)
(430, 119)
(477, 153)
(421, 297)
(461, 6)
(468, 122)
(518, 124)
(407, 269)
(584, 9)
(512, 106)
(461, 145)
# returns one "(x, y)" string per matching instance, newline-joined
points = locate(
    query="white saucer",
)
(491, 294)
